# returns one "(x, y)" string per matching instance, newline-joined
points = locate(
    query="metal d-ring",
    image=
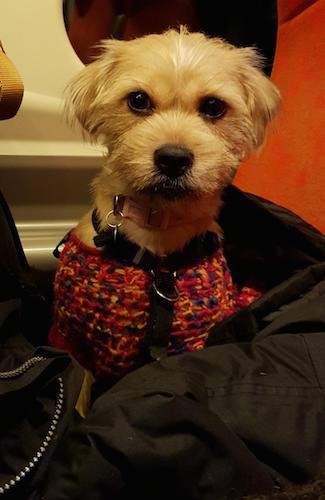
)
(171, 295)
(117, 214)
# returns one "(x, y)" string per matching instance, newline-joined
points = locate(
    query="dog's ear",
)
(84, 94)
(262, 96)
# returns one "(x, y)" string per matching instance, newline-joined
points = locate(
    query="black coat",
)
(243, 416)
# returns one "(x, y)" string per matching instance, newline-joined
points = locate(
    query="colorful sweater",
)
(101, 307)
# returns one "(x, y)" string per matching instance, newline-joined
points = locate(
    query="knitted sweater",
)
(101, 307)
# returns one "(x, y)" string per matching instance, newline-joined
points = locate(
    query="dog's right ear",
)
(84, 94)
(262, 96)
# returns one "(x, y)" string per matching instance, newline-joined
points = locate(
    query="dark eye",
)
(212, 108)
(139, 102)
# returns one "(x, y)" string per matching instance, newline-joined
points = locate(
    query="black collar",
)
(129, 253)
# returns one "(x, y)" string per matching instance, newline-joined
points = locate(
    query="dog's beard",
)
(169, 189)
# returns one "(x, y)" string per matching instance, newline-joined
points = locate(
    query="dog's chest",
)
(102, 307)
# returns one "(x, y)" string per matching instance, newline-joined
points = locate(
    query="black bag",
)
(39, 386)
(234, 419)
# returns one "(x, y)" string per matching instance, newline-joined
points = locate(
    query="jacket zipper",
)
(20, 370)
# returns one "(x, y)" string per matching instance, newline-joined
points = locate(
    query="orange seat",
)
(290, 170)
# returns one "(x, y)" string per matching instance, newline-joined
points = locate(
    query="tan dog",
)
(177, 113)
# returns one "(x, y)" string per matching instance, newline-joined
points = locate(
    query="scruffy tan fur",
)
(177, 70)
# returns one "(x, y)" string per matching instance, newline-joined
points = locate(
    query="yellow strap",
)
(11, 87)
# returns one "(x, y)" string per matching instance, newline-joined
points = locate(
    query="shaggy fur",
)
(178, 71)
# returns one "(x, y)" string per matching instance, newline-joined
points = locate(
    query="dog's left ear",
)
(262, 96)
(86, 94)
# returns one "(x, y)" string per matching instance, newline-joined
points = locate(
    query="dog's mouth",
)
(169, 189)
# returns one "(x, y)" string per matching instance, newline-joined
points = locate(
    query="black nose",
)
(173, 160)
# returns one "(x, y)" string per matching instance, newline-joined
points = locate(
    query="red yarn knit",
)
(102, 306)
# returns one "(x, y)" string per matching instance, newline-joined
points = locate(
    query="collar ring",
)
(114, 219)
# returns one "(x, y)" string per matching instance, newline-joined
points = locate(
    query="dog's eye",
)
(212, 108)
(139, 102)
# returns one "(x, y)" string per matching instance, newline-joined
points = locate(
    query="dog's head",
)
(177, 111)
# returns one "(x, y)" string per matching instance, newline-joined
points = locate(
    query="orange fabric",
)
(290, 169)
(288, 9)
(11, 87)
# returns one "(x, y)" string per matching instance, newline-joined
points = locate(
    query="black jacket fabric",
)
(245, 415)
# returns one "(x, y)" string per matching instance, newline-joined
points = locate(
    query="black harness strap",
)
(164, 294)
(159, 326)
